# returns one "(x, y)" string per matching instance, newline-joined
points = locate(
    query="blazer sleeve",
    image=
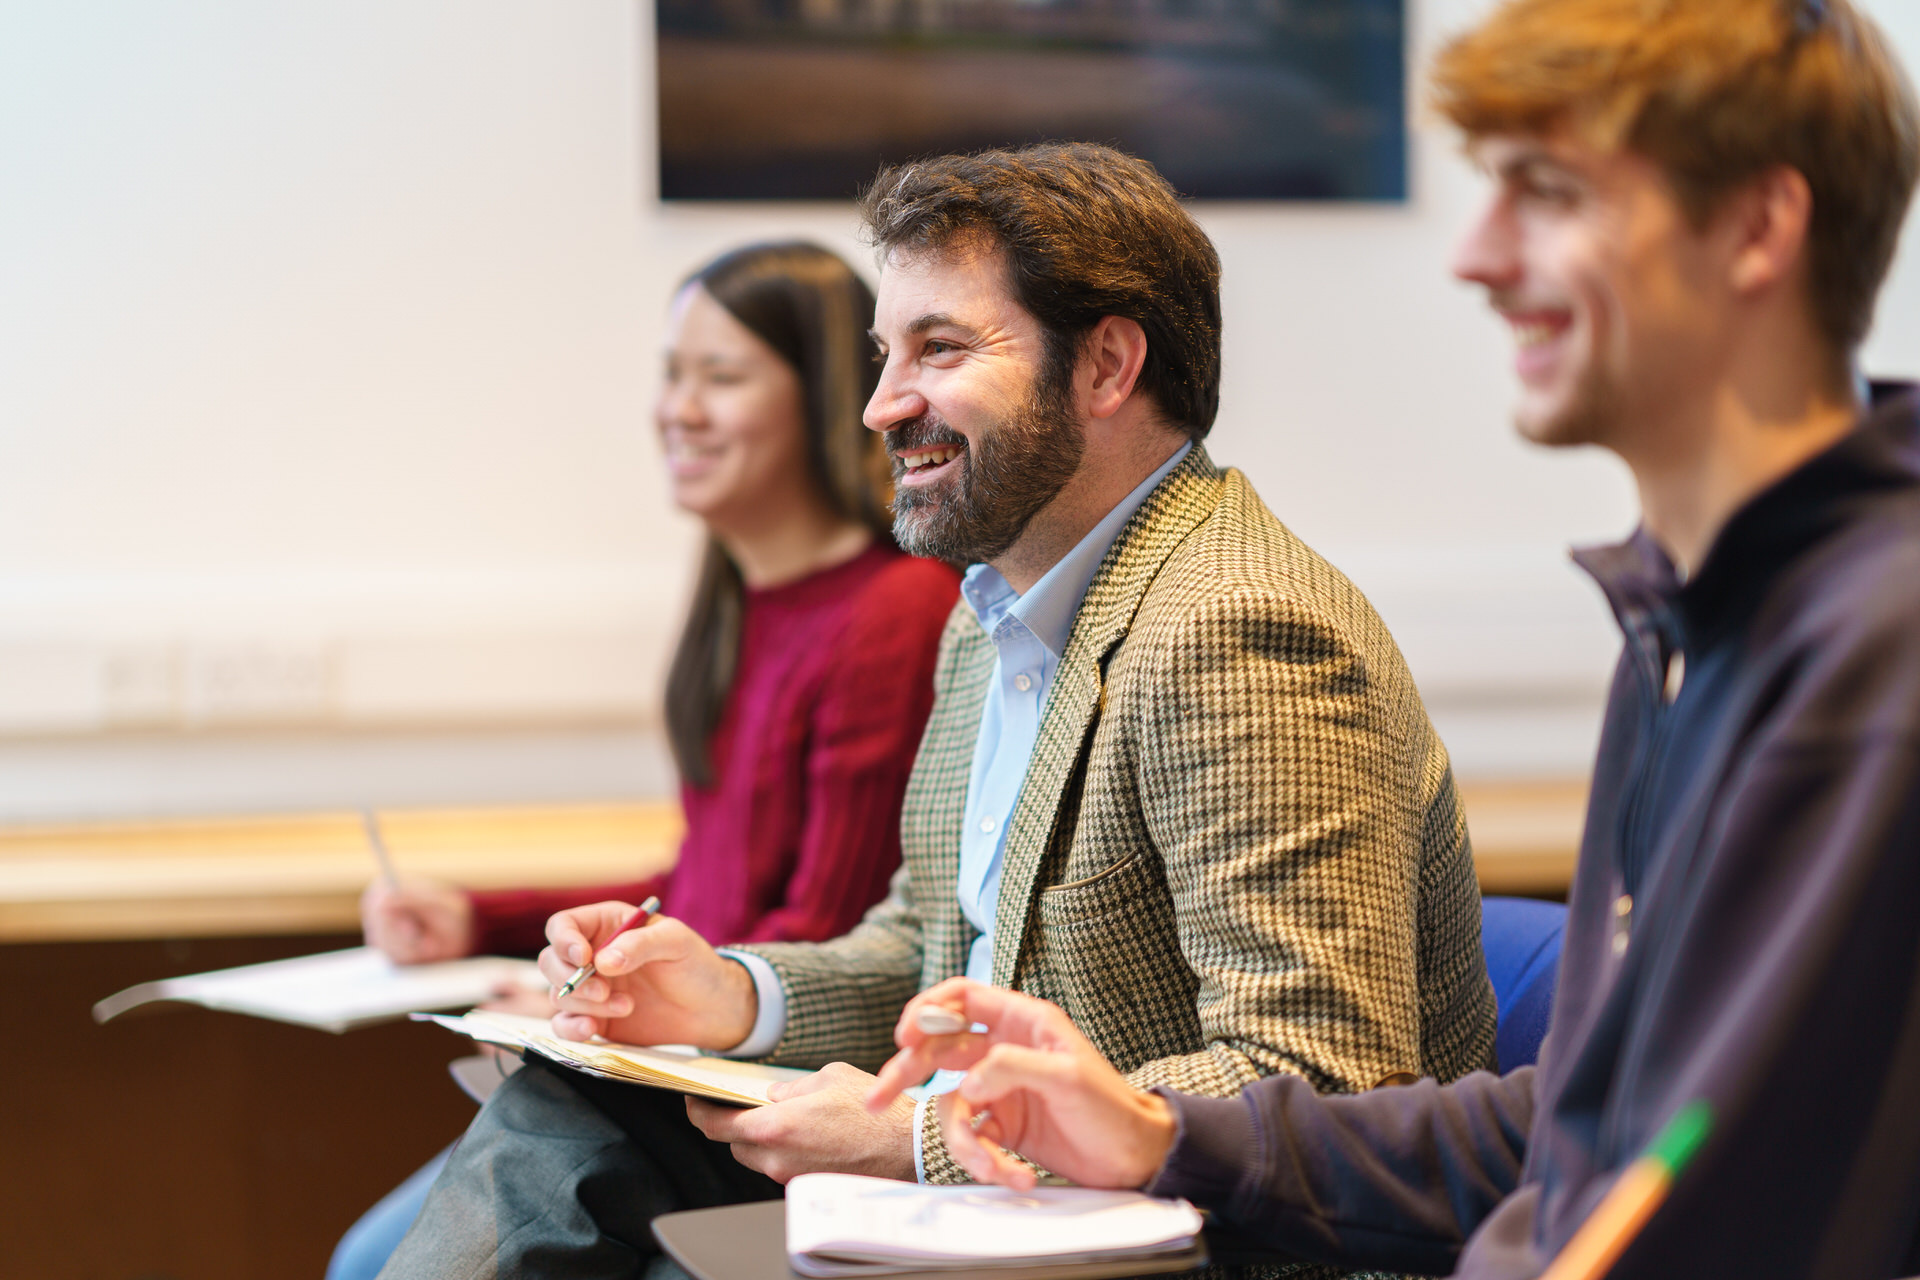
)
(844, 996)
(1279, 772)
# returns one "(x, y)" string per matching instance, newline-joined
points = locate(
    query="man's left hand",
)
(817, 1124)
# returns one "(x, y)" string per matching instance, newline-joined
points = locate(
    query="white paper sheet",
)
(336, 990)
(839, 1224)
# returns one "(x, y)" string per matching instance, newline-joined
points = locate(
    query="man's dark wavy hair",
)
(1087, 231)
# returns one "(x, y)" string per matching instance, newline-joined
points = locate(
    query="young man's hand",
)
(817, 1124)
(658, 984)
(1034, 1085)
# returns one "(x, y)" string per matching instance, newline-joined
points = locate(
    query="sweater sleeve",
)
(1391, 1178)
(513, 922)
(863, 733)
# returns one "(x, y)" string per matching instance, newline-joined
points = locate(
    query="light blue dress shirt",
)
(1029, 634)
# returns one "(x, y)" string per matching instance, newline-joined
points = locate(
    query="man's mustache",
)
(923, 432)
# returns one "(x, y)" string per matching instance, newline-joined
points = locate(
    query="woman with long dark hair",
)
(804, 674)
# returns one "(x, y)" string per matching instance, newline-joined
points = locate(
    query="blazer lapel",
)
(935, 810)
(1171, 511)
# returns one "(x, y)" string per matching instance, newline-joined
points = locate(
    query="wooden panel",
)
(1526, 835)
(182, 1144)
(304, 873)
(301, 873)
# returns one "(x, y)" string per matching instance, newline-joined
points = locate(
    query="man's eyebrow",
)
(937, 320)
(930, 320)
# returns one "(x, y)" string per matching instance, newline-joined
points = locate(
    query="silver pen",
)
(641, 914)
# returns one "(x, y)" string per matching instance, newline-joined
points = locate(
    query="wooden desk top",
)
(1526, 835)
(303, 873)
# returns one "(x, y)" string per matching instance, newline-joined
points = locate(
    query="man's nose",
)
(1489, 252)
(894, 401)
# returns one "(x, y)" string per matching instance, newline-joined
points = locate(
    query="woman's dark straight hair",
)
(813, 310)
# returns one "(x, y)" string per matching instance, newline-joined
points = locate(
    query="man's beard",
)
(1012, 470)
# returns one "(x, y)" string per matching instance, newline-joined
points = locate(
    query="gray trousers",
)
(562, 1174)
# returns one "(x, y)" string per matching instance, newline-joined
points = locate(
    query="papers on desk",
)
(675, 1067)
(841, 1225)
(336, 990)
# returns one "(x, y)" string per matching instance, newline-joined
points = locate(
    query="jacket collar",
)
(1782, 520)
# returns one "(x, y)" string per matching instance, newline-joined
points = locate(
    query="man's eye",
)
(1558, 194)
(935, 347)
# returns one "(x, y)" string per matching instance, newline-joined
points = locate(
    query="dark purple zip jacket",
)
(1744, 929)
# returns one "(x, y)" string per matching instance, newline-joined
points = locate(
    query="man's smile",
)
(1537, 336)
(924, 466)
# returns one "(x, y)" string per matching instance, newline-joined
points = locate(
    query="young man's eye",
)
(1548, 192)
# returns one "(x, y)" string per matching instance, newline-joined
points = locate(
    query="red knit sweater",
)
(801, 829)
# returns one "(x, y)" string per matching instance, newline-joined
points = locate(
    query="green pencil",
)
(1642, 1186)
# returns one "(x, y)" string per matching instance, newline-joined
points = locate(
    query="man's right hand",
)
(658, 984)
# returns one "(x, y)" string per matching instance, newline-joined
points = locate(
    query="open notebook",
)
(842, 1225)
(674, 1067)
(336, 990)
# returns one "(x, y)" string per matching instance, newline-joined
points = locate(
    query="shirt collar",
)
(1051, 604)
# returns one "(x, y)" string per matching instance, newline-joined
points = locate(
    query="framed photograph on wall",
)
(1230, 99)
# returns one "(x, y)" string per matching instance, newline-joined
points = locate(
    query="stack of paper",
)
(337, 990)
(841, 1225)
(675, 1067)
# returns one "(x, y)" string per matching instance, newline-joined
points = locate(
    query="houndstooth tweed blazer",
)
(1237, 850)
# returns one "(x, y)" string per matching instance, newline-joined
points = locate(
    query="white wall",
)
(327, 335)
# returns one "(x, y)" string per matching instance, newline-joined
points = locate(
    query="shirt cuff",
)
(920, 1136)
(771, 1021)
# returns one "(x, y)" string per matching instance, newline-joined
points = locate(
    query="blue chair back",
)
(1521, 937)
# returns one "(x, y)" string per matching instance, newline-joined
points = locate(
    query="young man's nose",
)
(1488, 253)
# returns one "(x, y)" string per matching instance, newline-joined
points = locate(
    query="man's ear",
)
(1769, 221)
(1116, 349)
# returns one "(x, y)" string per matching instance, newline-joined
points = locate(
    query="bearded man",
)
(1177, 778)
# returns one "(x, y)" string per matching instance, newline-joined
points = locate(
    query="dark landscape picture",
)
(1231, 99)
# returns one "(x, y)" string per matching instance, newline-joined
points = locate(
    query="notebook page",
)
(670, 1066)
(840, 1215)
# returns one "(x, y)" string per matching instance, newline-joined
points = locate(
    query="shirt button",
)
(987, 825)
(1023, 682)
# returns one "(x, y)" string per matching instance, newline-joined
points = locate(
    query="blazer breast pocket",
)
(1123, 887)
